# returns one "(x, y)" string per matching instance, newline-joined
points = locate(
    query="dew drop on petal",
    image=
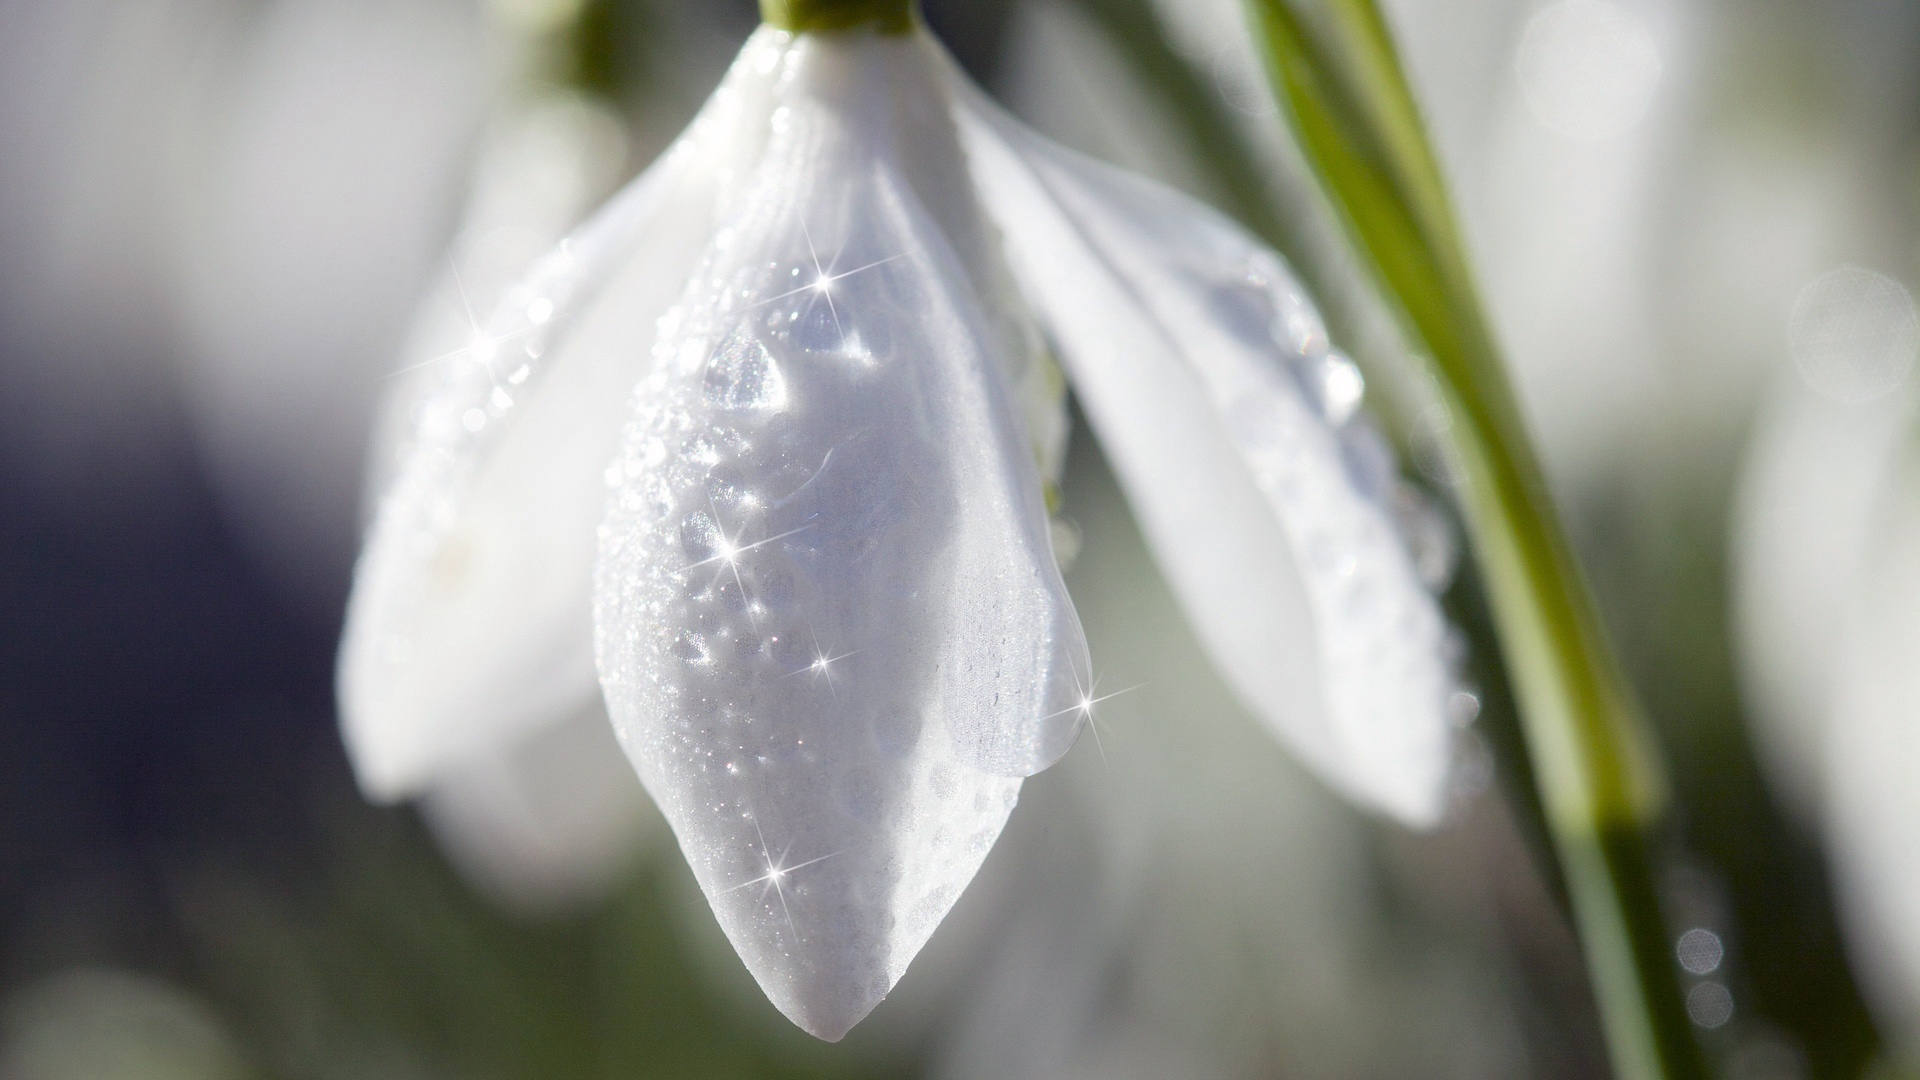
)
(1337, 384)
(691, 647)
(742, 374)
(699, 536)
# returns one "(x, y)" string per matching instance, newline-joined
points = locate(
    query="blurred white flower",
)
(1814, 485)
(1829, 591)
(1873, 755)
(815, 563)
(309, 209)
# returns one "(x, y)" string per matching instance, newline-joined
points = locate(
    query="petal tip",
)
(828, 1020)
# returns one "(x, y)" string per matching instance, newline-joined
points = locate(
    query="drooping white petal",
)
(549, 824)
(1208, 378)
(470, 620)
(831, 632)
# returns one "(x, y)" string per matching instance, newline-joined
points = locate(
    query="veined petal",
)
(831, 631)
(470, 620)
(1207, 376)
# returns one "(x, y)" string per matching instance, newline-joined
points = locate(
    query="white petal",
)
(1814, 475)
(548, 825)
(1206, 374)
(1873, 756)
(470, 620)
(546, 161)
(831, 631)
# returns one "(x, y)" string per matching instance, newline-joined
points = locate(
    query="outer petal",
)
(469, 624)
(831, 630)
(1206, 374)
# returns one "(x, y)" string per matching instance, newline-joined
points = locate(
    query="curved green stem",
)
(1601, 785)
(887, 16)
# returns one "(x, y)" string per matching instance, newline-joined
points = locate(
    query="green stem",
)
(1601, 785)
(799, 16)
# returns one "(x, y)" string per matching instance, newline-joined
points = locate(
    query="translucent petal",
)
(1207, 376)
(831, 631)
(470, 620)
(545, 162)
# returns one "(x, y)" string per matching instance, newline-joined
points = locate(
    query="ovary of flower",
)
(883, 455)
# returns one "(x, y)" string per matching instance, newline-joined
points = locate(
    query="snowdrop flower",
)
(763, 453)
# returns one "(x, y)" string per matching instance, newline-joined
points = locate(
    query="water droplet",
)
(727, 487)
(742, 374)
(746, 645)
(1298, 328)
(1463, 708)
(1337, 386)
(691, 647)
(1244, 307)
(699, 536)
